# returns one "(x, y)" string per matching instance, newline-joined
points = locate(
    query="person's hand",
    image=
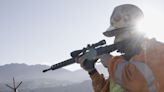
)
(105, 59)
(88, 60)
(88, 65)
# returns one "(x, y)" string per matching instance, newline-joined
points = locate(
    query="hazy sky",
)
(46, 31)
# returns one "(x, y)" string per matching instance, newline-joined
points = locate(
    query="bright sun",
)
(153, 26)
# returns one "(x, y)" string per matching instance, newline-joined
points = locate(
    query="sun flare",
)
(152, 26)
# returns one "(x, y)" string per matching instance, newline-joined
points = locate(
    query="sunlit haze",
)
(152, 25)
(46, 31)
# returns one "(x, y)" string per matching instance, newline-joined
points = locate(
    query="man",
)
(140, 66)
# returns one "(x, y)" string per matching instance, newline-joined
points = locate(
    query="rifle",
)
(100, 49)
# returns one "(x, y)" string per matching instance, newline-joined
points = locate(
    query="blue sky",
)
(46, 31)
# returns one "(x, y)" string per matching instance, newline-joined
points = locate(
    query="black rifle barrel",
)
(100, 51)
(60, 65)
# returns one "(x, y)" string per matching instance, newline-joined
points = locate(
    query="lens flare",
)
(152, 26)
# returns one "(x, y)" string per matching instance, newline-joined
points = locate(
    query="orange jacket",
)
(143, 73)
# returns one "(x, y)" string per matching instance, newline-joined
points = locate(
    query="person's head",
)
(123, 23)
